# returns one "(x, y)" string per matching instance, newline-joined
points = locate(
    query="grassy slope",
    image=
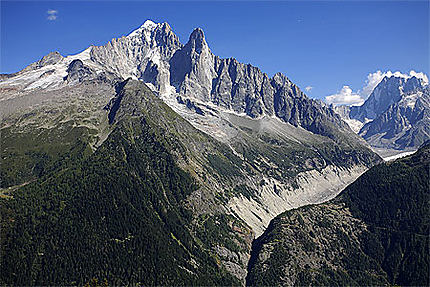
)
(29, 155)
(35, 136)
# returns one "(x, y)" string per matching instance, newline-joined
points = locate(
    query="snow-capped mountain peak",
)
(390, 90)
(147, 26)
(396, 114)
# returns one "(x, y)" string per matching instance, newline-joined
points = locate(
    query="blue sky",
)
(323, 45)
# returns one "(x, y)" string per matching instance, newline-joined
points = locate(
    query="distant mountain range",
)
(396, 115)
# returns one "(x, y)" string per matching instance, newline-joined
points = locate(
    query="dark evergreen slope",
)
(124, 213)
(376, 232)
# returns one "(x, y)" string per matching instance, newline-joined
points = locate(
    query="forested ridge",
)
(117, 215)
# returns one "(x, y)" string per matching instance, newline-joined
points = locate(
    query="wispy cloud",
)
(346, 96)
(309, 88)
(52, 15)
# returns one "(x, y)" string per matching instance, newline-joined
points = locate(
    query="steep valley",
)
(376, 232)
(226, 195)
(115, 165)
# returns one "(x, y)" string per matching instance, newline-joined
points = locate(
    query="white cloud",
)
(308, 88)
(373, 79)
(345, 97)
(52, 15)
(419, 75)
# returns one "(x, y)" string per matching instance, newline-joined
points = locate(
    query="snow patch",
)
(397, 156)
(85, 55)
(355, 125)
(410, 100)
(147, 26)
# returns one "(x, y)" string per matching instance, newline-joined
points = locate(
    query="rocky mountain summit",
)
(154, 55)
(404, 124)
(395, 116)
(389, 91)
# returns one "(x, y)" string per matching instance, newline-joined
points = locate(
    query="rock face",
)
(77, 72)
(50, 59)
(395, 116)
(154, 55)
(386, 93)
(404, 124)
(376, 232)
(144, 54)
